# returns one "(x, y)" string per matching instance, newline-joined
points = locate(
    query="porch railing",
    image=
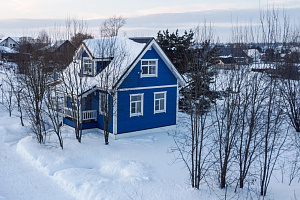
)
(89, 114)
(86, 115)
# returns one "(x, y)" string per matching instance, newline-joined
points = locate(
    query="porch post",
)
(115, 113)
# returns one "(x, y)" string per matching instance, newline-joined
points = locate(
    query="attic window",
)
(149, 68)
(87, 66)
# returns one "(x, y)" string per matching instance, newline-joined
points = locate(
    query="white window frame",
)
(148, 66)
(90, 66)
(142, 104)
(158, 99)
(101, 95)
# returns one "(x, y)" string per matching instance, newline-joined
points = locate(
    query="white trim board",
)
(165, 129)
(145, 88)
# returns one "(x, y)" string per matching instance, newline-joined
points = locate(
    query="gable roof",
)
(124, 54)
(55, 46)
(152, 43)
(16, 39)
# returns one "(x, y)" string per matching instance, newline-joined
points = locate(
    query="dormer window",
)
(87, 66)
(149, 68)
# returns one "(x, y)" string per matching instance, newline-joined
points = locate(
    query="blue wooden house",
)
(134, 76)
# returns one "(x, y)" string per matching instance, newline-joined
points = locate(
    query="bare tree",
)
(250, 101)
(194, 146)
(273, 137)
(73, 84)
(112, 25)
(72, 80)
(252, 108)
(34, 64)
(291, 93)
(34, 84)
(7, 92)
(227, 113)
(13, 82)
(272, 33)
(54, 110)
(113, 53)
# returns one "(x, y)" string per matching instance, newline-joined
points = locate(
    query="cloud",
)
(149, 25)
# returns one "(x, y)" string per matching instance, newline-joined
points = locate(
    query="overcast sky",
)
(144, 18)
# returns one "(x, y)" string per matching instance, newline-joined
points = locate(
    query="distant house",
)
(254, 54)
(61, 46)
(11, 42)
(62, 51)
(144, 92)
(234, 55)
(7, 54)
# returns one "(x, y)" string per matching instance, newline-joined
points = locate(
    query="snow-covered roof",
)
(252, 53)
(120, 50)
(111, 46)
(4, 49)
(16, 39)
(122, 53)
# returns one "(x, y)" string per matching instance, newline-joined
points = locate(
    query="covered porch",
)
(89, 118)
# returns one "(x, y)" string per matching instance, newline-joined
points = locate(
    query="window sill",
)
(136, 115)
(148, 75)
(159, 111)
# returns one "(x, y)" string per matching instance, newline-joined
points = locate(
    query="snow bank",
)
(129, 168)
(10, 128)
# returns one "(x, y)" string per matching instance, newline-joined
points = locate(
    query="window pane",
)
(144, 62)
(136, 98)
(145, 70)
(133, 108)
(152, 62)
(162, 104)
(152, 70)
(138, 109)
(156, 105)
(159, 96)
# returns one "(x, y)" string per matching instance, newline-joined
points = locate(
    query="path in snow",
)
(20, 179)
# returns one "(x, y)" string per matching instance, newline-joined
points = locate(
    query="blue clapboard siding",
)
(165, 76)
(149, 119)
(84, 54)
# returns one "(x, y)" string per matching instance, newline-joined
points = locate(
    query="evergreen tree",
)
(200, 72)
(176, 47)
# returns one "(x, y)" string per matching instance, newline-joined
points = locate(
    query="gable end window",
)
(87, 66)
(160, 99)
(136, 104)
(149, 68)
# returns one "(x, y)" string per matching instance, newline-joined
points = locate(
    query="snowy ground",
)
(140, 167)
(19, 179)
